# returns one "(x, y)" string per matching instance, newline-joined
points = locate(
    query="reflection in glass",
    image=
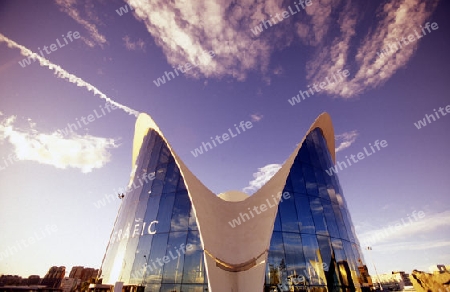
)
(320, 253)
(159, 261)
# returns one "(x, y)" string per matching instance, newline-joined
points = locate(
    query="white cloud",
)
(257, 117)
(407, 227)
(398, 18)
(84, 152)
(132, 46)
(346, 140)
(186, 30)
(69, 7)
(412, 245)
(263, 175)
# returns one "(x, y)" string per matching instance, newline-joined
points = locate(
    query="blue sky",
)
(51, 180)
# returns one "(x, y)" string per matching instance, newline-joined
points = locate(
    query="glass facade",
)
(313, 245)
(155, 241)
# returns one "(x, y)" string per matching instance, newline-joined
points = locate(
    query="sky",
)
(67, 113)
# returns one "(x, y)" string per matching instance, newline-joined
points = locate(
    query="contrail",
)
(61, 73)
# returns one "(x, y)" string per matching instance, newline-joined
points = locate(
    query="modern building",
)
(294, 234)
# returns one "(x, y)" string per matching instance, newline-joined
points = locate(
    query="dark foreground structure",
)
(174, 234)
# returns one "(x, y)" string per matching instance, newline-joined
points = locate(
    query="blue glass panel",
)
(340, 222)
(325, 159)
(317, 214)
(165, 154)
(352, 260)
(341, 260)
(325, 250)
(310, 180)
(312, 151)
(194, 266)
(288, 215)
(321, 212)
(276, 264)
(297, 178)
(349, 227)
(277, 223)
(181, 185)
(139, 270)
(171, 179)
(304, 215)
(338, 248)
(330, 218)
(288, 186)
(295, 260)
(154, 156)
(174, 261)
(152, 209)
(165, 212)
(192, 220)
(303, 155)
(313, 259)
(321, 149)
(155, 263)
(181, 212)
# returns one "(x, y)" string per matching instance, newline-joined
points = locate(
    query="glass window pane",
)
(313, 258)
(171, 179)
(275, 260)
(288, 186)
(165, 155)
(152, 209)
(304, 215)
(155, 152)
(312, 151)
(277, 224)
(181, 212)
(340, 222)
(330, 218)
(194, 266)
(174, 261)
(319, 218)
(303, 154)
(310, 180)
(139, 270)
(288, 215)
(154, 262)
(192, 220)
(325, 250)
(297, 179)
(295, 261)
(165, 213)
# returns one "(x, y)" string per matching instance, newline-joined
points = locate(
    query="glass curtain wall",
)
(313, 245)
(155, 242)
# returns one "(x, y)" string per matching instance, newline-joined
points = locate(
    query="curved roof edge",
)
(145, 122)
(213, 213)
